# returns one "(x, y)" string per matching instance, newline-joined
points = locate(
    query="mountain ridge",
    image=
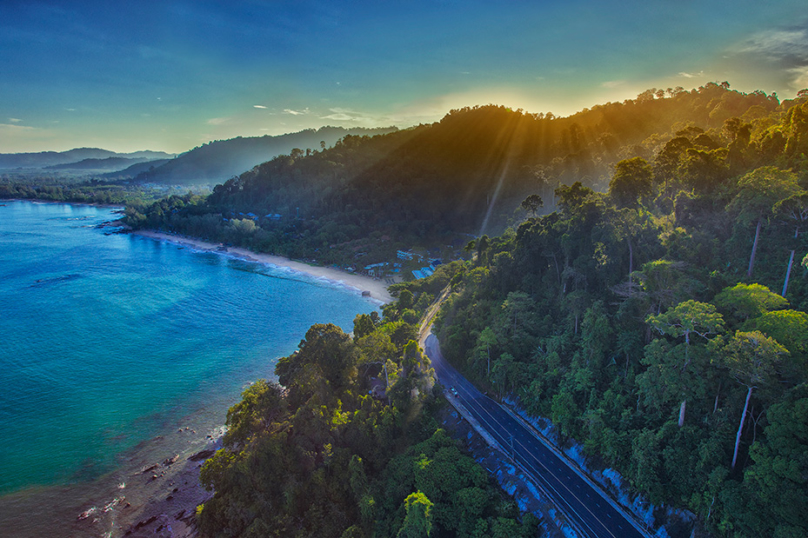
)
(219, 160)
(44, 159)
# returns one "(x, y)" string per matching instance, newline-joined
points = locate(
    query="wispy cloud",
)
(786, 48)
(296, 112)
(799, 77)
(14, 120)
(259, 106)
(217, 121)
(347, 114)
(779, 43)
(691, 75)
(10, 127)
(14, 137)
(613, 83)
(342, 114)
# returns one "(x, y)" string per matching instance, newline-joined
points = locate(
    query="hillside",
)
(220, 160)
(654, 311)
(468, 173)
(660, 326)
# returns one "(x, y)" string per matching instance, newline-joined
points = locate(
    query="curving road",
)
(585, 508)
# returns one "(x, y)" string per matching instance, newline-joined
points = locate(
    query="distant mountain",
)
(46, 159)
(110, 163)
(218, 161)
(135, 169)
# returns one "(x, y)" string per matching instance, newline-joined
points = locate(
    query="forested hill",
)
(663, 324)
(468, 172)
(220, 160)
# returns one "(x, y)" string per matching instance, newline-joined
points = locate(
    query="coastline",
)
(155, 488)
(378, 289)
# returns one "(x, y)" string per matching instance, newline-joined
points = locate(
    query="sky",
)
(174, 74)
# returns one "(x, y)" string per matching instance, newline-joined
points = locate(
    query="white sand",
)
(378, 289)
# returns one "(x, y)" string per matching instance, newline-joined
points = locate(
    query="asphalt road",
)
(590, 513)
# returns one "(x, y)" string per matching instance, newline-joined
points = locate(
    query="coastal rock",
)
(87, 513)
(142, 524)
(202, 455)
(171, 460)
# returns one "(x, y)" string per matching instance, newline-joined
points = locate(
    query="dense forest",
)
(660, 323)
(433, 184)
(319, 455)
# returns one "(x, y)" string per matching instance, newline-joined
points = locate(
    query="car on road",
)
(453, 391)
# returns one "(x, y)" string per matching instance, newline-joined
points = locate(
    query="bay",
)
(108, 341)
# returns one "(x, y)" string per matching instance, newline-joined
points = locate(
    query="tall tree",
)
(631, 182)
(488, 338)
(751, 358)
(418, 521)
(532, 204)
(793, 211)
(686, 319)
(758, 192)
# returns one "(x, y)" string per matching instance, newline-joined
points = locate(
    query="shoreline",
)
(378, 289)
(154, 489)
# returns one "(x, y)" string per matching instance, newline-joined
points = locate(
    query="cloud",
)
(691, 75)
(217, 121)
(779, 44)
(296, 112)
(9, 127)
(342, 114)
(784, 48)
(346, 114)
(14, 138)
(613, 83)
(799, 77)
(14, 120)
(259, 106)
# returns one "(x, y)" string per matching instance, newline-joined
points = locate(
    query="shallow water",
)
(108, 341)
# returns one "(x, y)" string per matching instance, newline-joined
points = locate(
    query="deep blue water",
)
(109, 340)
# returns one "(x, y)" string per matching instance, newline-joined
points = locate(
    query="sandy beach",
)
(378, 289)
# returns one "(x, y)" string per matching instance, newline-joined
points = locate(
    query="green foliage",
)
(584, 358)
(261, 404)
(319, 458)
(570, 326)
(746, 301)
(418, 522)
(631, 182)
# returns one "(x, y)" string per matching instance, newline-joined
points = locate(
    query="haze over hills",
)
(110, 163)
(468, 172)
(220, 160)
(46, 159)
(135, 169)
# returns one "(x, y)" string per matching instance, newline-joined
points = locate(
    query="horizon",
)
(175, 75)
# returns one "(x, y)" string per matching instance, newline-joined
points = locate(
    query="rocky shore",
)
(157, 499)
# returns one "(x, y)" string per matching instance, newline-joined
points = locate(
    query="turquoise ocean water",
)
(107, 341)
